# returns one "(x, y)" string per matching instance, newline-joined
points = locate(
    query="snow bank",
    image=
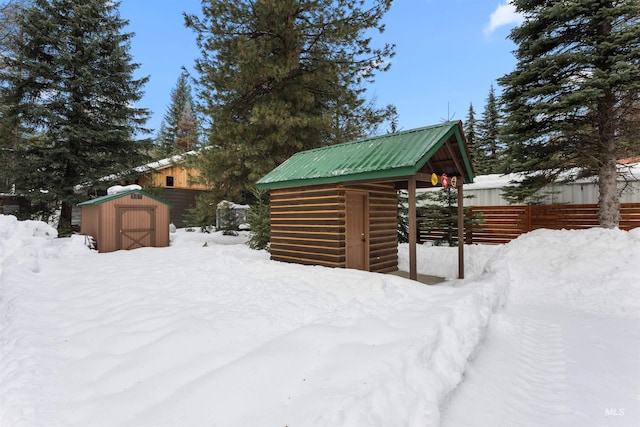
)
(594, 270)
(199, 334)
(442, 261)
(22, 241)
(209, 332)
(564, 349)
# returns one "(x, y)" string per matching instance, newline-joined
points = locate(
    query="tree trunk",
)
(608, 201)
(64, 225)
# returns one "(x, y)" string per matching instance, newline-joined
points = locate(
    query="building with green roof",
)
(126, 219)
(337, 206)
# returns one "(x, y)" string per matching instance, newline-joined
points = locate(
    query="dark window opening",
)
(169, 181)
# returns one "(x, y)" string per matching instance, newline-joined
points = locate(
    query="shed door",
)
(136, 226)
(357, 231)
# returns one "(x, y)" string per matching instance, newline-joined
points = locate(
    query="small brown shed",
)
(337, 206)
(126, 220)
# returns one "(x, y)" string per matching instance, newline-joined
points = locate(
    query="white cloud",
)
(505, 14)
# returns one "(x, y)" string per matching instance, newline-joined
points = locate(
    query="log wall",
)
(308, 225)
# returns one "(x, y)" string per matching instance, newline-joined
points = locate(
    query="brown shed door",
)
(136, 227)
(357, 231)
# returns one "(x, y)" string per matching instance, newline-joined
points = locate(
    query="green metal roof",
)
(393, 155)
(102, 199)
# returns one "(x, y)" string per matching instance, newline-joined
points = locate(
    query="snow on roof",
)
(156, 165)
(122, 188)
(630, 171)
(163, 163)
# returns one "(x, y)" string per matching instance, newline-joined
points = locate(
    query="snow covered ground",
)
(543, 331)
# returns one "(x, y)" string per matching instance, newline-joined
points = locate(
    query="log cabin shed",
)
(126, 220)
(337, 206)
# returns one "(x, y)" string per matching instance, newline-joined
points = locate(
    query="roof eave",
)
(108, 197)
(378, 175)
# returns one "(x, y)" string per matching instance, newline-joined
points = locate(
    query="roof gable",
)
(395, 155)
(102, 199)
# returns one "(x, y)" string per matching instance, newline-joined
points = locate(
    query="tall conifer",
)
(470, 133)
(573, 99)
(278, 77)
(179, 130)
(10, 130)
(72, 81)
(490, 146)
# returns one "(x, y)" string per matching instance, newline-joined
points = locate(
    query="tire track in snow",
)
(523, 358)
(539, 386)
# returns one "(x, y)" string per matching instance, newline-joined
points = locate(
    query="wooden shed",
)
(126, 220)
(337, 206)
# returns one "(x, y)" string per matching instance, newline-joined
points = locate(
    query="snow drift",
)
(209, 332)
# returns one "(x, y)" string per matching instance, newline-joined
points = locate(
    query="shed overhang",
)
(392, 158)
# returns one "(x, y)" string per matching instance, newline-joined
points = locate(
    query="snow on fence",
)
(501, 224)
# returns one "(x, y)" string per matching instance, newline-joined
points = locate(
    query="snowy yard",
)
(543, 331)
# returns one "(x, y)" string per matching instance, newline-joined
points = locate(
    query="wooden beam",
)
(455, 160)
(423, 177)
(460, 230)
(413, 229)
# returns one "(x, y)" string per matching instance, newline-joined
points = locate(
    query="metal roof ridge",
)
(376, 137)
(114, 196)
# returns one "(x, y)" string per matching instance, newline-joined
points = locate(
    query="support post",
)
(413, 229)
(460, 230)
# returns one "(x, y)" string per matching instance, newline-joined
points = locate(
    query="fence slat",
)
(501, 224)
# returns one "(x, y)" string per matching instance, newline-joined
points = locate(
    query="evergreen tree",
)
(71, 80)
(187, 135)
(10, 130)
(278, 77)
(573, 99)
(202, 214)
(470, 134)
(227, 220)
(440, 215)
(490, 149)
(259, 221)
(179, 130)
(403, 217)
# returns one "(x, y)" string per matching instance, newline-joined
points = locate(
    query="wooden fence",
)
(501, 224)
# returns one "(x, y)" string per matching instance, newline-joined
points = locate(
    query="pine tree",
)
(278, 77)
(179, 130)
(202, 214)
(573, 99)
(403, 217)
(71, 80)
(438, 213)
(490, 149)
(470, 134)
(259, 221)
(187, 135)
(10, 129)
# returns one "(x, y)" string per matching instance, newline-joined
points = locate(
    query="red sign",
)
(445, 180)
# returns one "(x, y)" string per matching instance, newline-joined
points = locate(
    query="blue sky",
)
(448, 53)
